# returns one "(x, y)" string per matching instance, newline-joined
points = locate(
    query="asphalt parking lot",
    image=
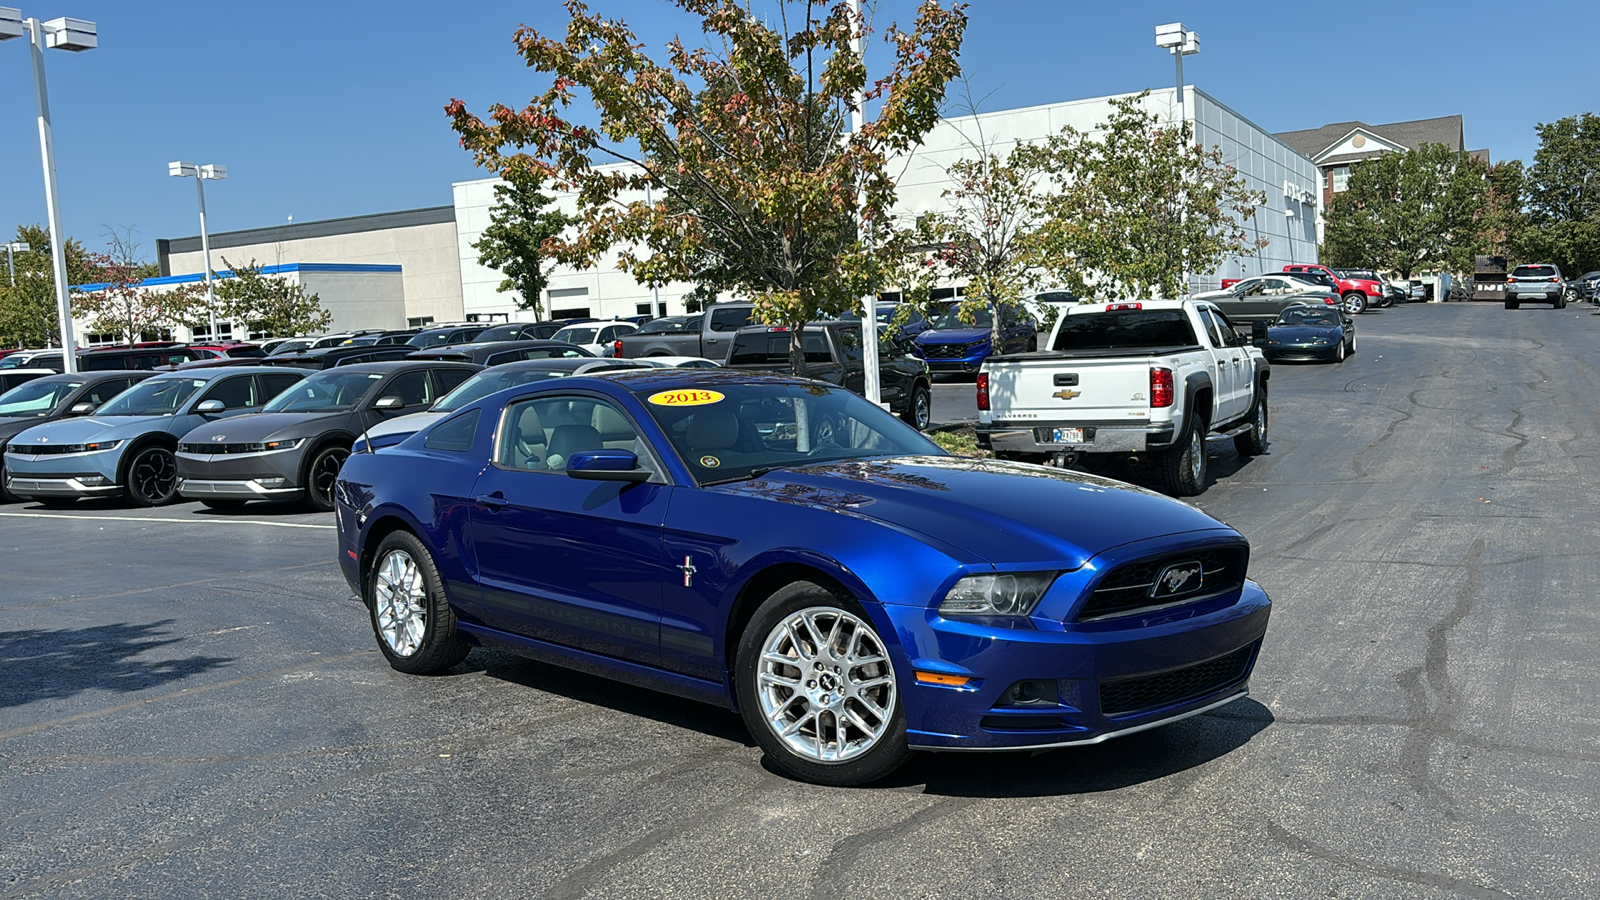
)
(191, 706)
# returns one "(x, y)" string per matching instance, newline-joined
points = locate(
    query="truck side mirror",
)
(1258, 335)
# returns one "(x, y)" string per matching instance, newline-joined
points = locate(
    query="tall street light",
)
(1180, 42)
(61, 34)
(202, 174)
(12, 249)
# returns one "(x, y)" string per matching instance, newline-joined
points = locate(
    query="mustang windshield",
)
(152, 397)
(739, 431)
(325, 392)
(35, 399)
(488, 381)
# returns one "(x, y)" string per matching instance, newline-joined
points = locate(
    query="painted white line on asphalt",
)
(136, 519)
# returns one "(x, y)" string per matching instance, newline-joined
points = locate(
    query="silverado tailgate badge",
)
(1178, 580)
(1067, 395)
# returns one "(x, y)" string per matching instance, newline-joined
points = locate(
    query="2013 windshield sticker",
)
(710, 462)
(685, 398)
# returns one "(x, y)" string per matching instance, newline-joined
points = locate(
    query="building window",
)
(1340, 178)
(203, 332)
(642, 309)
(571, 312)
(97, 340)
(419, 321)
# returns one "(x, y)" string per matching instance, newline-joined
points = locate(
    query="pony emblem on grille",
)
(1179, 579)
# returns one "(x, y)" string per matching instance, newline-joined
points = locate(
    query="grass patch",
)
(962, 442)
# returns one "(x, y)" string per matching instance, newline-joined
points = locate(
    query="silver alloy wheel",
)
(401, 597)
(825, 684)
(1261, 420)
(1197, 455)
(921, 409)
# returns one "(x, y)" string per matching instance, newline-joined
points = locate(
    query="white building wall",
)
(1267, 164)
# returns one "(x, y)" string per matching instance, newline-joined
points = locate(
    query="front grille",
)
(944, 351)
(207, 449)
(43, 449)
(1128, 695)
(1126, 589)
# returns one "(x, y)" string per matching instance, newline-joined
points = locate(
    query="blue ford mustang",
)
(789, 550)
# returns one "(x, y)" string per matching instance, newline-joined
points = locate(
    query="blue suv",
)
(126, 448)
(953, 345)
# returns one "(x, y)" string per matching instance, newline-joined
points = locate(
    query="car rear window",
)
(1130, 329)
(1534, 272)
(771, 348)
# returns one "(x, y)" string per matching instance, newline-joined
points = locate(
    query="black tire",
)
(889, 750)
(440, 646)
(151, 476)
(1511, 304)
(1339, 354)
(222, 504)
(1033, 344)
(1355, 303)
(919, 413)
(1561, 302)
(1254, 441)
(321, 473)
(1183, 466)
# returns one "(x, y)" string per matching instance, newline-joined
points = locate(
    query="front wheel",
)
(1355, 303)
(1254, 441)
(321, 476)
(1183, 466)
(413, 621)
(919, 414)
(817, 689)
(1338, 355)
(152, 477)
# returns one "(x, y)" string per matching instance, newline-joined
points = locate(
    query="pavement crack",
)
(1461, 886)
(1355, 461)
(849, 850)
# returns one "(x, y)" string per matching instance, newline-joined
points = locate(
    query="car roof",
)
(220, 371)
(90, 377)
(491, 347)
(396, 365)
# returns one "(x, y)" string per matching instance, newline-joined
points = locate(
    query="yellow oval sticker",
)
(685, 398)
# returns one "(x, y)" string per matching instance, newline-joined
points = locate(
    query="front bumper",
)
(1104, 683)
(968, 363)
(240, 476)
(1307, 352)
(89, 474)
(1099, 437)
(1524, 294)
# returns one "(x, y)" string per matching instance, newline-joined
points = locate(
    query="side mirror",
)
(606, 465)
(210, 406)
(81, 409)
(1258, 335)
(390, 402)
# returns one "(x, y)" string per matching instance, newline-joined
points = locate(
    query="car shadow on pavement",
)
(596, 690)
(42, 664)
(1135, 759)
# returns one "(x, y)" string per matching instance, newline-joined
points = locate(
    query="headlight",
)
(97, 446)
(289, 444)
(1003, 594)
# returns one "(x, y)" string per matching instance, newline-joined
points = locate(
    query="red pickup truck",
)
(1357, 292)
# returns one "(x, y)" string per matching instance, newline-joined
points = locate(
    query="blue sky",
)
(331, 109)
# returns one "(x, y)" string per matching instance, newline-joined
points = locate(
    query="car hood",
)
(11, 426)
(94, 428)
(249, 429)
(953, 335)
(1302, 332)
(1003, 512)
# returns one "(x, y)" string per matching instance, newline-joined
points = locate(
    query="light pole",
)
(12, 249)
(1180, 42)
(201, 175)
(61, 34)
(869, 301)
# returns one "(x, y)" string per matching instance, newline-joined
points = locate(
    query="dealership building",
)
(416, 267)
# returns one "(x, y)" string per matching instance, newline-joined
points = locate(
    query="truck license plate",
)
(1068, 435)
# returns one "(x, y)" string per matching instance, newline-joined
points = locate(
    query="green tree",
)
(122, 306)
(519, 225)
(1129, 212)
(28, 309)
(1563, 194)
(1408, 212)
(269, 304)
(769, 212)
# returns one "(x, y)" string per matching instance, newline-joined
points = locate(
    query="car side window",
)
(454, 435)
(235, 393)
(849, 344)
(105, 390)
(450, 379)
(730, 319)
(273, 385)
(1212, 328)
(541, 434)
(1230, 335)
(503, 357)
(412, 388)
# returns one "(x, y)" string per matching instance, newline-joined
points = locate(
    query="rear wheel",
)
(1511, 304)
(321, 476)
(1355, 303)
(919, 414)
(817, 689)
(412, 619)
(1183, 467)
(1254, 441)
(152, 477)
(1561, 302)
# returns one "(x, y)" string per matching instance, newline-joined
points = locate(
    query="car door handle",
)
(493, 502)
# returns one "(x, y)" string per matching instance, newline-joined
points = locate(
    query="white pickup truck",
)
(1147, 379)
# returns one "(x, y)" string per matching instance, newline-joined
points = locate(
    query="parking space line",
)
(30, 515)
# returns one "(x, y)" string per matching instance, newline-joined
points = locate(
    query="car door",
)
(236, 393)
(1226, 363)
(1237, 346)
(1235, 303)
(723, 323)
(560, 559)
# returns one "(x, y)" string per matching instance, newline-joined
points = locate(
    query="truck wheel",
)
(1355, 303)
(919, 414)
(1254, 441)
(1183, 467)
